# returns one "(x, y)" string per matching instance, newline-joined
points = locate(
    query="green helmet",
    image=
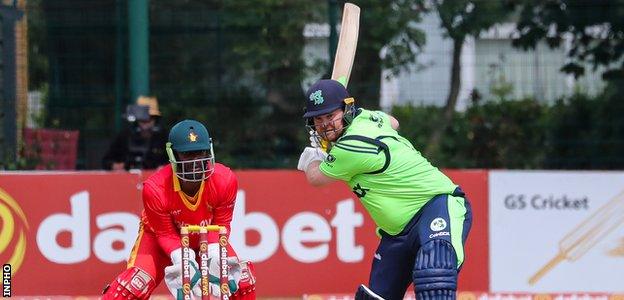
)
(190, 136)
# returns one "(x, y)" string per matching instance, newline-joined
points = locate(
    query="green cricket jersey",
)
(391, 178)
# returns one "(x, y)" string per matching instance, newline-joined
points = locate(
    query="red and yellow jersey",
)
(167, 208)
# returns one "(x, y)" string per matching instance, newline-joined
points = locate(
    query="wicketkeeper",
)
(423, 218)
(191, 190)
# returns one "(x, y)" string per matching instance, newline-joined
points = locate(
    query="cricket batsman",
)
(191, 190)
(422, 217)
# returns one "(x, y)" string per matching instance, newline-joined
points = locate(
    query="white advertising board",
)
(556, 231)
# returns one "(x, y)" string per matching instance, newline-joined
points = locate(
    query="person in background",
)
(142, 144)
(422, 217)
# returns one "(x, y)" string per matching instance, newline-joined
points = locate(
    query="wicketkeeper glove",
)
(234, 271)
(173, 274)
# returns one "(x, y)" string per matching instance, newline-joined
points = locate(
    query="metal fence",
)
(243, 70)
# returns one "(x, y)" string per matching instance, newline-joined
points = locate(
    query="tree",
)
(37, 60)
(588, 133)
(462, 19)
(237, 66)
(388, 25)
(593, 28)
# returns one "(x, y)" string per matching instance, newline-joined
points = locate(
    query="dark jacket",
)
(137, 152)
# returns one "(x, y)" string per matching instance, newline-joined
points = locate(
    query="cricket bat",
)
(347, 43)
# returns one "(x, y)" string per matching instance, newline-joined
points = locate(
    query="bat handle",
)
(547, 267)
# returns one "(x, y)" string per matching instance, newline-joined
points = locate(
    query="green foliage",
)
(461, 18)
(594, 30)
(243, 130)
(390, 24)
(587, 133)
(238, 67)
(397, 32)
(507, 134)
(229, 63)
(577, 132)
(29, 158)
(499, 86)
(37, 59)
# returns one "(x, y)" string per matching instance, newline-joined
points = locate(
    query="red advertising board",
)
(73, 228)
(285, 196)
(475, 273)
(77, 227)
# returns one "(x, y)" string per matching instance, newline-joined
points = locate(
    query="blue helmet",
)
(190, 136)
(323, 97)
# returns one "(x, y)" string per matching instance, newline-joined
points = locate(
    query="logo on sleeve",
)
(330, 158)
(437, 224)
(377, 119)
(360, 191)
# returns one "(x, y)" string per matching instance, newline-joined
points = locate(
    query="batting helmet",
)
(323, 97)
(191, 136)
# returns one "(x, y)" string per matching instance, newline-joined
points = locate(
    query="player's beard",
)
(331, 135)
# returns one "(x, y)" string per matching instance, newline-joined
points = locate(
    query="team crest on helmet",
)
(192, 137)
(317, 97)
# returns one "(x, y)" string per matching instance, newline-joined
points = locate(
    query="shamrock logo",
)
(317, 97)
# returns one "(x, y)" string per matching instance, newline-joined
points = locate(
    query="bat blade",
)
(347, 44)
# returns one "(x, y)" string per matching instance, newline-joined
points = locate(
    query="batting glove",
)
(309, 155)
(316, 141)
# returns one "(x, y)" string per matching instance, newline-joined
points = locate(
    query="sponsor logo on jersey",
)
(437, 224)
(138, 282)
(441, 233)
(244, 272)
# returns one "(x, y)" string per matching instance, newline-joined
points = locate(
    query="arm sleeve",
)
(350, 158)
(223, 211)
(160, 221)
